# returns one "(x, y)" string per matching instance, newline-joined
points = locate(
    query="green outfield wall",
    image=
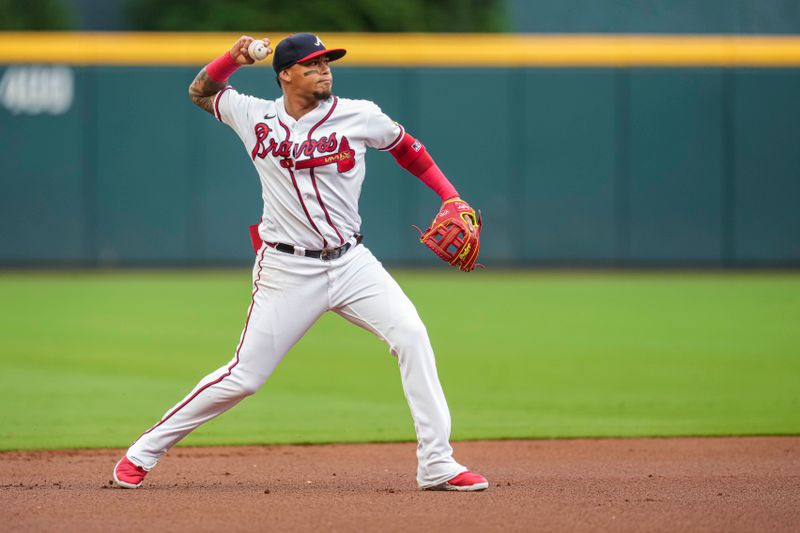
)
(621, 166)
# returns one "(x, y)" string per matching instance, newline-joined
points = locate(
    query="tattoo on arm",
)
(202, 91)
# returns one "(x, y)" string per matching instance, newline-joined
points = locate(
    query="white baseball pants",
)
(289, 294)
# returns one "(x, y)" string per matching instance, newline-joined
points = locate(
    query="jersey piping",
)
(216, 102)
(314, 178)
(396, 141)
(297, 190)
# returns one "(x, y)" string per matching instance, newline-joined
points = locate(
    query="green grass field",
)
(92, 359)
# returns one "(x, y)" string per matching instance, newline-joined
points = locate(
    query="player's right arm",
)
(214, 76)
(203, 89)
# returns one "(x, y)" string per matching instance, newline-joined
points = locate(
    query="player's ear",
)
(284, 76)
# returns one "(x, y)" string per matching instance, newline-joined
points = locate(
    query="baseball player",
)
(308, 148)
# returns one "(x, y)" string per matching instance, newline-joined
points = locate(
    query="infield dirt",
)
(675, 484)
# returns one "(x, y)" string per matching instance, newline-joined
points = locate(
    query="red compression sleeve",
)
(222, 67)
(412, 156)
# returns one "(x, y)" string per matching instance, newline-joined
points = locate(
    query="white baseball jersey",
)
(311, 169)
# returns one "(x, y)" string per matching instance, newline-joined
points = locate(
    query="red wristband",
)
(222, 67)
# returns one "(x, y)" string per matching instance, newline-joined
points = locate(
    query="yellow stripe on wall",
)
(417, 50)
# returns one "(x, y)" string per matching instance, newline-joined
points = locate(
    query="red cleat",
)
(465, 481)
(127, 475)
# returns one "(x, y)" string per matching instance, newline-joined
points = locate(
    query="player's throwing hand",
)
(239, 51)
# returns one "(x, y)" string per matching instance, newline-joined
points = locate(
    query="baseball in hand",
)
(257, 50)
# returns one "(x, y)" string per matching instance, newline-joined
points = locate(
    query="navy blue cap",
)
(301, 47)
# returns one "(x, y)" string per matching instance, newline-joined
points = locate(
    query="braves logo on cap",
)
(302, 47)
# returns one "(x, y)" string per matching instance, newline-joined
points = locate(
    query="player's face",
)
(314, 77)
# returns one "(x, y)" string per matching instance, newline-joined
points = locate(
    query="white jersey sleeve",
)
(381, 132)
(233, 108)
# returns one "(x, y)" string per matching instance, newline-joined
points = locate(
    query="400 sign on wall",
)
(36, 90)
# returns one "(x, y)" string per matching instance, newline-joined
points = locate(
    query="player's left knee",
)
(409, 334)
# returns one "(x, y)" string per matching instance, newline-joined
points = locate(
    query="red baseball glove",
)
(455, 234)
